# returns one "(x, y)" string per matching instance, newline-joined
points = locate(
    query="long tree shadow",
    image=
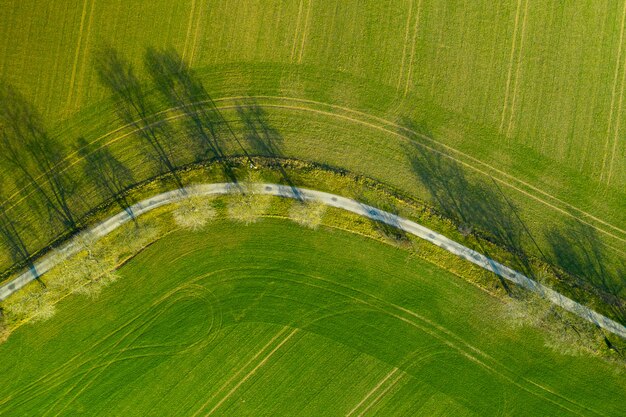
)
(134, 107)
(578, 251)
(483, 209)
(263, 139)
(475, 207)
(183, 91)
(36, 159)
(110, 177)
(12, 237)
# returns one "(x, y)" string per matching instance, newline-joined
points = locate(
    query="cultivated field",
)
(499, 124)
(355, 85)
(274, 318)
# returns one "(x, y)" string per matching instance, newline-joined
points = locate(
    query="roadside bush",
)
(248, 208)
(307, 214)
(563, 333)
(4, 329)
(194, 213)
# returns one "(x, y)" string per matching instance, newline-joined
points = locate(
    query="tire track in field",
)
(83, 62)
(83, 18)
(455, 343)
(473, 168)
(380, 124)
(439, 332)
(380, 396)
(305, 31)
(197, 32)
(105, 360)
(189, 26)
(252, 372)
(296, 36)
(261, 351)
(517, 70)
(75, 364)
(511, 59)
(618, 59)
(404, 46)
(409, 74)
(372, 391)
(618, 116)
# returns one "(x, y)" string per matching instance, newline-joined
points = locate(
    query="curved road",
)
(104, 228)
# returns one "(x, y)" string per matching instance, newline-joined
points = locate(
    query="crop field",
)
(498, 124)
(274, 319)
(365, 86)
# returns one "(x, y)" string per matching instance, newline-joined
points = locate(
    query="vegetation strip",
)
(104, 228)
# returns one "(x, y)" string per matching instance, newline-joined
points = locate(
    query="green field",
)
(541, 111)
(500, 124)
(275, 319)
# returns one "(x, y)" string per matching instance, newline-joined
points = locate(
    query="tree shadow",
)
(577, 251)
(263, 139)
(476, 208)
(35, 158)
(484, 210)
(12, 237)
(108, 174)
(382, 218)
(183, 91)
(135, 108)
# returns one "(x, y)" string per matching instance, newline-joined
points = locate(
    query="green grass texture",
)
(276, 319)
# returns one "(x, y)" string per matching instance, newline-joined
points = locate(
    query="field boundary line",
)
(372, 391)
(614, 91)
(510, 71)
(382, 121)
(73, 247)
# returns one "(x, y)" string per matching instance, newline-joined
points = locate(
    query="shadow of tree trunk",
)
(108, 174)
(35, 157)
(263, 139)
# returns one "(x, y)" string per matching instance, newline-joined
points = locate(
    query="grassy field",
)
(275, 318)
(541, 111)
(526, 98)
(558, 92)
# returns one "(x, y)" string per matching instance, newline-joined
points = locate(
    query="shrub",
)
(248, 208)
(194, 213)
(308, 214)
